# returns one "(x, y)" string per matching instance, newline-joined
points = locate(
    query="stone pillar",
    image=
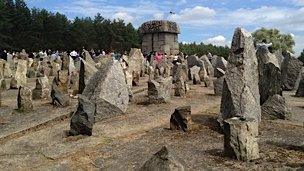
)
(240, 138)
(181, 119)
(25, 103)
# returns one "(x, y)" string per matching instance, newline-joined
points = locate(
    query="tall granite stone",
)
(41, 90)
(2, 84)
(24, 99)
(134, 62)
(291, 67)
(13, 83)
(59, 99)
(194, 74)
(179, 70)
(163, 160)
(270, 80)
(208, 65)
(240, 95)
(21, 71)
(180, 87)
(107, 88)
(82, 120)
(218, 62)
(300, 90)
(62, 80)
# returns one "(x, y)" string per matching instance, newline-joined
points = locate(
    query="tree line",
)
(203, 49)
(38, 29)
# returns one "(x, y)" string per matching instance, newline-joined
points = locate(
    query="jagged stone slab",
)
(159, 90)
(59, 99)
(108, 89)
(276, 107)
(163, 160)
(270, 80)
(20, 74)
(240, 89)
(82, 120)
(181, 119)
(291, 67)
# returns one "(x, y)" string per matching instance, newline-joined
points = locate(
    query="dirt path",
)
(126, 142)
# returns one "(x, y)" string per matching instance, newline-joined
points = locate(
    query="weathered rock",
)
(179, 70)
(13, 83)
(59, 99)
(21, 71)
(41, 90)
(270, 80)
(135, 61)
(291, 67)
(24, 99)
(240, 138)
(192, 61)
(181, 119)
(218, 86)
(163, 161)
(299, 78)
(74, 82)
(159, 90)
(108, 89)
(300, 91)
(219, 62)
(194, 74)
(208, 65)
(204, 76)
(180, 87)
(65, 61)
(31, 73)
(2, 66)
(82, 120)
(2, 84)
(240, 95)
(276, 107)
(63, 80)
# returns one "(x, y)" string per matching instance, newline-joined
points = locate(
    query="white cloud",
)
(297, 2)
(217, 41)
(158, 16)
(193, 15)
(123, 16)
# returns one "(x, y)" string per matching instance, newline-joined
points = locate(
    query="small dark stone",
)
(59, 99)
(83, 119)
(181, 119)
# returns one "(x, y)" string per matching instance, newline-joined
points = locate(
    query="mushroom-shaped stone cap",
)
(159, 26)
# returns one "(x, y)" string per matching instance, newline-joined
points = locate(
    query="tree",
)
(280, 42)
(203, 49)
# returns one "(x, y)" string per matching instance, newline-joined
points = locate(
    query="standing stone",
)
(13, 83)
(291, 67)
(192, 61)
(218, 86)
(299, 78)
(276, 107)
(2, 66)
(135, 64)
(24, 100)
(179, 70)
(300, 91)
(208, 65)
(59, 99)
(181, 119)
(108, 89)
(163, 161)
(20, 75)
(240, 138)
(83, 119)
(180, 87)
(204, 76)
(240, 89)
(63, 80)
(74, 82)
(159, 90)
(41, 90)
(194, 74)
(270, 80)
(2, 84)
(219, 62)
(65, 61)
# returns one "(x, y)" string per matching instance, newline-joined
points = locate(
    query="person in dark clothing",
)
(3, 55)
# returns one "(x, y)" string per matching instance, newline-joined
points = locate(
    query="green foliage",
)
(202, 49)
(301, 57)
(37, 29)
(282, 42)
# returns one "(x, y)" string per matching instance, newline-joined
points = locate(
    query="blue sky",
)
(209, 21)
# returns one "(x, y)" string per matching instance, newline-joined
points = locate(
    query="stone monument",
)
(160, 35)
